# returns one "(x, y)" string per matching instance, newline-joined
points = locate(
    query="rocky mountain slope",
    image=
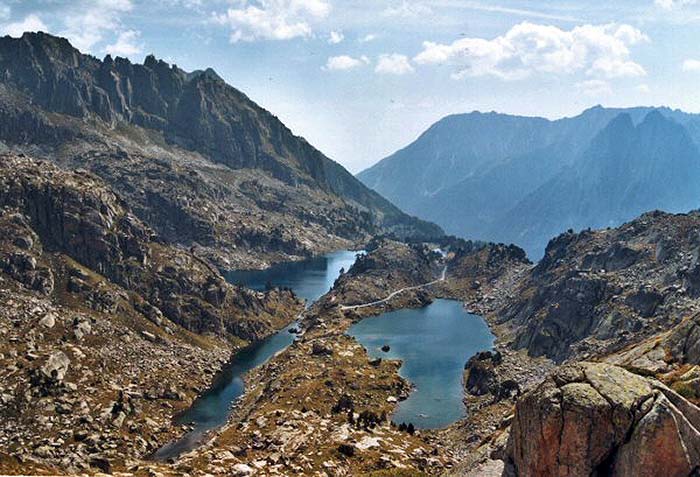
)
(609, 320)
(195, 158)
(523, 180)
(107, 330)
(626, 170)
(598, 291)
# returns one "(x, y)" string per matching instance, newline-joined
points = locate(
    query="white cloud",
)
(336, 37)
(691, 65)
(29, 23)
(393, 64)
(126, 45)
(671, 4)
(616, 68)
(367, 38)
(345, 62)
(87, 23)
(643, 88)
(407, 9)
(594, 88)
(486, 7)
(189, 4)
(527, 48)
(273, 19)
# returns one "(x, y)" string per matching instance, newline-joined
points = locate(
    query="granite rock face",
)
(596, 419)
(596, 292)
(74, 213)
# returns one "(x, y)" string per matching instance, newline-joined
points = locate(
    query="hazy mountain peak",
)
(511, 179)
(621, 122)
(619, 129)
(655, 116)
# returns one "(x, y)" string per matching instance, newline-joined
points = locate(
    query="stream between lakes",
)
(433, 342)
(310, 279)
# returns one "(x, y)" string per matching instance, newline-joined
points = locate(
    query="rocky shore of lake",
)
(108, 331)
(623, 298)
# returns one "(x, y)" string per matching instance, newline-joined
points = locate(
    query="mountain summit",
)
(627, 170)
(196, 158)
(522, 179)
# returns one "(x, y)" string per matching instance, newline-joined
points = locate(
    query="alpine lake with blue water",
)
(310, 279)
(433, 344)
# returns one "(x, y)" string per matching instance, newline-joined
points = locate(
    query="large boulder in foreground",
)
(597, 419)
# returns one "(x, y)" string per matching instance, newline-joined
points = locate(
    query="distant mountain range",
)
(196, 159)
(524, 180)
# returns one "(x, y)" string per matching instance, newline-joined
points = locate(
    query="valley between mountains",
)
(130, 192)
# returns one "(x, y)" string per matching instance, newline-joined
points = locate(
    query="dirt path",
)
(397, 292)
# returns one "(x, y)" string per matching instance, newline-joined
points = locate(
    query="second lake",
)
(434, 343)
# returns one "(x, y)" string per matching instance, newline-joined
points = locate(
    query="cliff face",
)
(99, 115)
(75, 214)
(593, 419)
(597, 291)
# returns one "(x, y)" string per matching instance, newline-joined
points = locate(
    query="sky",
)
(360, 79)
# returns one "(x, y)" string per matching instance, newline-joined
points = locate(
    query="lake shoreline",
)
(443, 335)
(228, 385)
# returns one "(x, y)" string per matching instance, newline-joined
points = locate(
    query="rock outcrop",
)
(597, 419)
(77, 215)
(596, 292)
(480, 376)
(388, 265)
(474, 268)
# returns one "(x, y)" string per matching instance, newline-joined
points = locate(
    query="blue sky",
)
(362, 78)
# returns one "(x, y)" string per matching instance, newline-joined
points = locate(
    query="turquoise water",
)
(310, 280)
(434, 343)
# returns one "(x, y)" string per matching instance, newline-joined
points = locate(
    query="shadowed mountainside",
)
(197, 159)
